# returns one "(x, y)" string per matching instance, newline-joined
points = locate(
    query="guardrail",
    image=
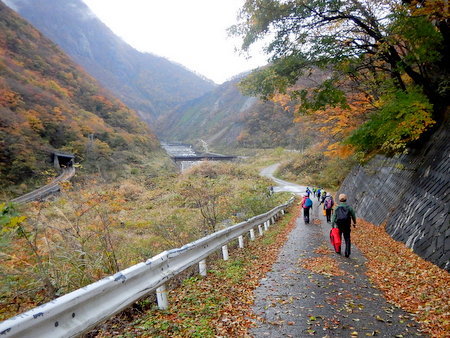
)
(48, 189)
(82, 309)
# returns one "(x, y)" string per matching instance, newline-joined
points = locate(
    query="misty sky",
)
(189, 32)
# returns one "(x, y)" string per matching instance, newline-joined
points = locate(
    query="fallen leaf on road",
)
(407, 280)
(323, 265)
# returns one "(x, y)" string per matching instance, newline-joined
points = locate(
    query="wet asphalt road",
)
(282, 185)
(295, 302)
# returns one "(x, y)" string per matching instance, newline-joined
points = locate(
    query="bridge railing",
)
(82, 309)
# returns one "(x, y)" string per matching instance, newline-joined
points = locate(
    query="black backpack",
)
(343, 216)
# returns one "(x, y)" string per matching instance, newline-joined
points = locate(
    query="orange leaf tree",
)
(376, 48)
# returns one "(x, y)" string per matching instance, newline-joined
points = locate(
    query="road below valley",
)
(282, 185)
(48, 189)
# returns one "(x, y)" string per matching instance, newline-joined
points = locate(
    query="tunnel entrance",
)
(62, 160)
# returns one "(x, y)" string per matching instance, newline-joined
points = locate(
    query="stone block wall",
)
(411, 194)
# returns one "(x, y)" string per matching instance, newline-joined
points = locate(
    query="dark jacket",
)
(352, 213)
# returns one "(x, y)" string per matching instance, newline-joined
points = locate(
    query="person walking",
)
(322, 199)
(343, 217)
(328, 206)
(306, 205)
(318, 194)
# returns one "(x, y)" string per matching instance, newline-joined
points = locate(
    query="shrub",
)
(402, 117)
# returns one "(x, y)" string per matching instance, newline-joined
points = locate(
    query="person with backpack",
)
(322, 199)
(343, 217)
(306, 205)
(318, 194)
(308, 191)
(328, 206)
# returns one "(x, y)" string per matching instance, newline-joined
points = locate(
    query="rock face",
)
(411, 193)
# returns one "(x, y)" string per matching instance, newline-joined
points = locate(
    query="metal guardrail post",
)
(260, 230)
(161, 297)
(266, 225)
(252, 234)
(202, 268)
(225, 252)
(241, 242)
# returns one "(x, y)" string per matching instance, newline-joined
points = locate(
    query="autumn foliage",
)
(47, 102)
(406, 279)
(386, 66)
(96, 229)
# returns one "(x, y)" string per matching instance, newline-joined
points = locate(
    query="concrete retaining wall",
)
(411, 193)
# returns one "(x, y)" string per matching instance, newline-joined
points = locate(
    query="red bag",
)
(335, 238)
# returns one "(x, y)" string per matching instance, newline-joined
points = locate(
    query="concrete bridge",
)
(204, 157)
(185, 156)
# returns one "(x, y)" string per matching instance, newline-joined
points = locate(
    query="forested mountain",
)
(150, 84)
(226, 117)
(47, 102)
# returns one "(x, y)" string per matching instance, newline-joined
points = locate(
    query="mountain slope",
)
(47, 102)
(226, 117)
(150, 84)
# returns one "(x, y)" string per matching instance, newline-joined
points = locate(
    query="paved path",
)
(295, 302)
(282, 185)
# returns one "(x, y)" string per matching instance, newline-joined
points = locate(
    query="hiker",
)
(303, 200)
(314, 191)
(308, 191)
(343, 216)
(322, 199)
(306, 205)
(328, 206)
(318, 194)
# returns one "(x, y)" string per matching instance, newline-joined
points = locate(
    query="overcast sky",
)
(189, 32)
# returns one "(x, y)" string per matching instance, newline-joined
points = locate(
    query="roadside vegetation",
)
(97, 227)
(316, 169)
